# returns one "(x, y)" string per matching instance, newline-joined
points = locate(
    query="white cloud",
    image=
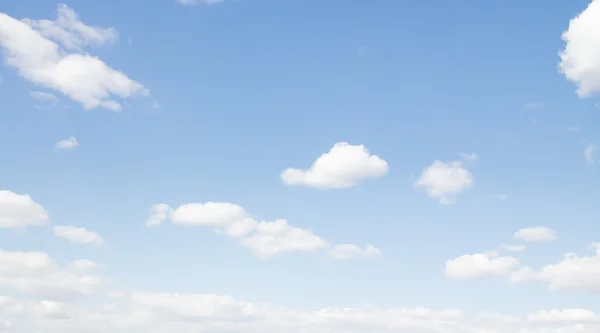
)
(78, 235)
(566, 315)
(70, 32)
(158, 214)
(199, 2)
(573, 273)
(469, 157)
(513, 248)
(162, 312)
(342, 167)
(535, 234)
(43, 96)
(578, 60)
(68, 143)
(35, 274)
(20, 211)
(349, 251)
(444, 180)
(46, 53)
(589, 154)
(265, 239)
(471, 266)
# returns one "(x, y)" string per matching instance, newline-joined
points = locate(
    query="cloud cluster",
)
(51, 54)
(35, 274)
(264, 238)
(160, 312)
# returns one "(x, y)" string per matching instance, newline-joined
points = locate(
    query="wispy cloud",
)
(589, 154)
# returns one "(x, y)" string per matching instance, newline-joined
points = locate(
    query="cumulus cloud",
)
(444, 180)
(69, 143)
(471, 266)
(35, 274)
(573, 273)
(535, 234)
(579, 58)
(49, 54)
(20, 211)
(264, 238)
(78, 235)
(342, 167)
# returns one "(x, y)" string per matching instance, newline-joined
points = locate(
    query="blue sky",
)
(165, 103)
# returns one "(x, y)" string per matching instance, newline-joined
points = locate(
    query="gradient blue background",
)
(248, 88)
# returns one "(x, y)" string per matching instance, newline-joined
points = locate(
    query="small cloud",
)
(469, 157)
(78, 235)
(155, 105)
(68, 144)
(534, 106)
(573, 128)
(129, 41)
(535, 234)
(444, 180)
(589, 154)
(44, 97)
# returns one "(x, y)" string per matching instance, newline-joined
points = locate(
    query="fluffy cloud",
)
(589, 153)
(579, 59)
(20, 211)
(479, 265)
(444, 180)
(566, 315)
(158, 214)
(35, 274)
(535, 234)
(265, 239)
(78, 235)
(162, 312)
(48, 53)
(69, 143)
(342, 167)
(573, 273)
(348, 251)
